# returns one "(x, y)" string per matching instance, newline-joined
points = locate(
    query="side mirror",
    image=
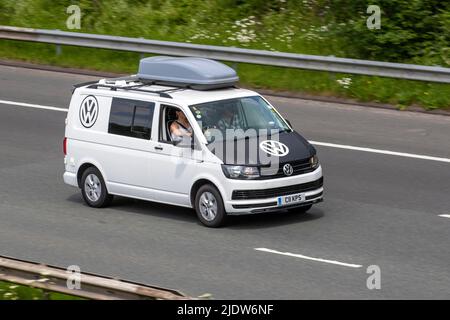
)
(184, 143)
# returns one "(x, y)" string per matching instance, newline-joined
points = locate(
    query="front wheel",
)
(209, 206)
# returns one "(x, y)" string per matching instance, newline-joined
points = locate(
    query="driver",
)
(180, 128)
(229, 119)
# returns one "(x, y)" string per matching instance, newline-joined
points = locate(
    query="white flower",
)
(345, 82)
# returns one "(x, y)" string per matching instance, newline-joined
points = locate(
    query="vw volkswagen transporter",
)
(181, 132)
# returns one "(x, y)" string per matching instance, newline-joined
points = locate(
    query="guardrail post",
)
(58, 46)
(46, 294)
(142, 54)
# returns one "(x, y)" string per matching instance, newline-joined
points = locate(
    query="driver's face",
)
(228, 113)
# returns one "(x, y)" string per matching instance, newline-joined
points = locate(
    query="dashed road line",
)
(380, 151)
(350, 265)
(30, 105)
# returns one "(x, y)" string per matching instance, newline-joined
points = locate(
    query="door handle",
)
(158, 148)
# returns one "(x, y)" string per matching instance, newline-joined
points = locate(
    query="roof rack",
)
(181, 73)
(135, 86)
(161, 93)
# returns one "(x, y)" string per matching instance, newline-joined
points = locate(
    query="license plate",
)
(290, 199)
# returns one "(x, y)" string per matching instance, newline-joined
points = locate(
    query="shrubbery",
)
(412, 30)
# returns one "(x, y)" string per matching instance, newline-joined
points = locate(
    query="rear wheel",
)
(209, 206)
(303, 209)
(93, 189)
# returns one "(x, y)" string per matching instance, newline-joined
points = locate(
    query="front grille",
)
(276, 192)
(299, 166)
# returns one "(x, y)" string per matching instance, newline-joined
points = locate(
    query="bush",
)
(411, 30)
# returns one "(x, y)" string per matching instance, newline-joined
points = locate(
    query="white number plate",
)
(291, 199)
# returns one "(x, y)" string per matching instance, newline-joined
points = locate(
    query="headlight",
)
(314, 161)
(240, 172)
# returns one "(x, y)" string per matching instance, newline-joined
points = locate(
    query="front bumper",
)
(260, 203)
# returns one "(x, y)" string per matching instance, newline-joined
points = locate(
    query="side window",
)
(131, 118)
(168, 116)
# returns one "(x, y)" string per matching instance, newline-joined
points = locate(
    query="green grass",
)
(308, 27)
(401, 93)
(12, 291)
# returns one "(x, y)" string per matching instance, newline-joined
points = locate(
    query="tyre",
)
(303, 209)
(209, 206)
(93, 189)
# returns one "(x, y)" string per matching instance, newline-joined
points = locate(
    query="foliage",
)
(412, 31)
(11, 291)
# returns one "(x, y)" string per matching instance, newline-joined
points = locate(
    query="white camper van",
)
(180, 132)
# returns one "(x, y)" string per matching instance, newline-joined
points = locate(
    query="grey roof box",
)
(195, 73)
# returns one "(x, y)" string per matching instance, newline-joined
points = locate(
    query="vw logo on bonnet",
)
(89, 111)
(274, 148)
(287, 169)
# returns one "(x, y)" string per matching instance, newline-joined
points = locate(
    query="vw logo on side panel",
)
(287, 169)
(274, 148)
(88, 111)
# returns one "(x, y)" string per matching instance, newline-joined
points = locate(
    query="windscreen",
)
(251, 115)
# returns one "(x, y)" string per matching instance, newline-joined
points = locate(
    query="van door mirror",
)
(184, 143)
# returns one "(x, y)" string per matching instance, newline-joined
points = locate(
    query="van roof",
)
(189, 79)
(133, 86)
(193, 97)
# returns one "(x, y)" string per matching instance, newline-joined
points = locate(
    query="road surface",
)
(381, 209)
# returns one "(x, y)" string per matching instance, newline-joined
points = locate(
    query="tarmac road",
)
(379, 209)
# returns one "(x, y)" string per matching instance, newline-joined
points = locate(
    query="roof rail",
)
(136, 84)
(111, 84)
(161, 93)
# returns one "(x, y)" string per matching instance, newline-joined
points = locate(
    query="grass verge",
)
(12, 291)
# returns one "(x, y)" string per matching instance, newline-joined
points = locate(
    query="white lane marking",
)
(29, 105)
(350, 265)
(444, 215)
(318, 143)
(392, 153)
